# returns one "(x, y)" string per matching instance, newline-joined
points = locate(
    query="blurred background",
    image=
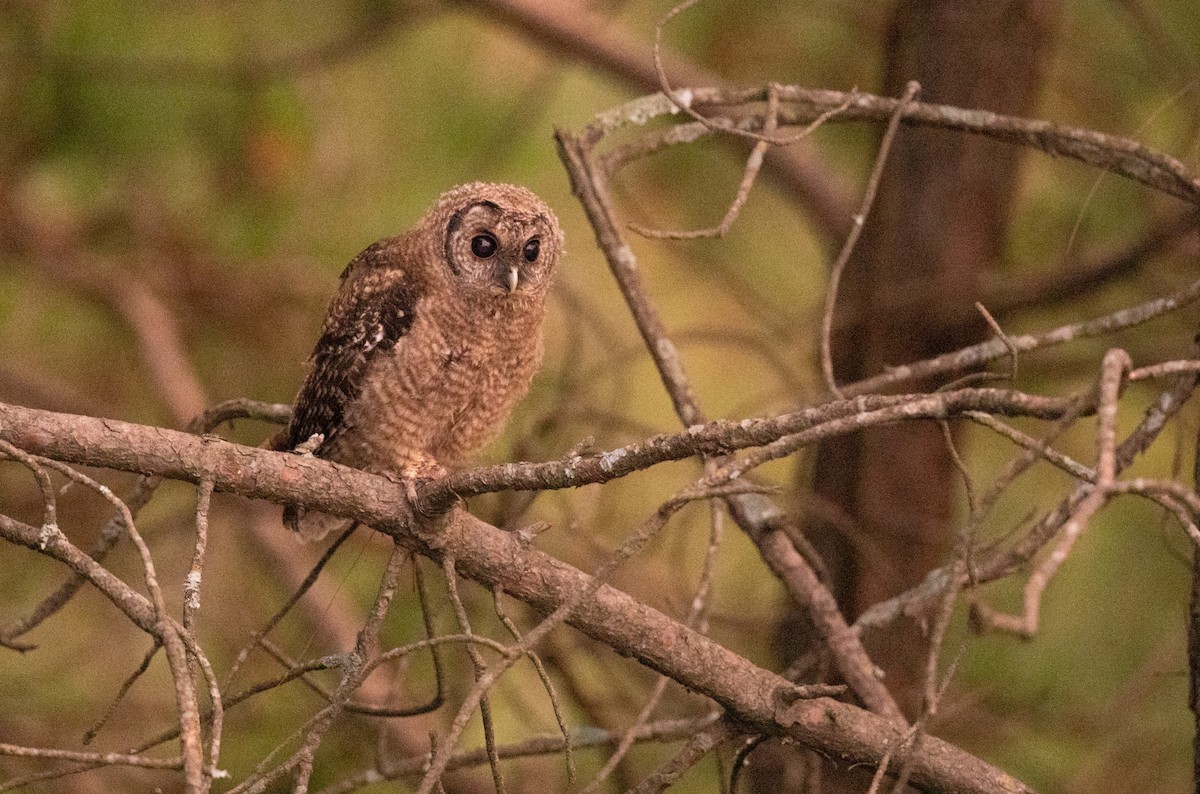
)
(181, 184)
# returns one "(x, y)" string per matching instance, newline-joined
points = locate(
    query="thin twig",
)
(698, 745)
(783, 433)
(191, 586)
(682, 99)
(90, 734)
(1003, 337)
(696, 618)
(754, 163)
(1124, 156)
(992, 349)
(355, 668)
(1039, 447)
(634, 544)
(96, 759)
(1002, 562)
(479, 666)
(138, 497)
(166, 632)
(1116, 365)
(663, 731)
(860, 219)
(273, 621)
(544, 677)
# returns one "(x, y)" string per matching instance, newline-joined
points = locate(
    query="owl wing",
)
(372, 311)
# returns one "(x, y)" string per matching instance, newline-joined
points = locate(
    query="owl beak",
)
(511, 279)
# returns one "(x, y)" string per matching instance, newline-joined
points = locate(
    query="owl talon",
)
(310, 445)
(409, 476)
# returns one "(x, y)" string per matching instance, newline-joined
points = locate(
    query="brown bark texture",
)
(942, 214)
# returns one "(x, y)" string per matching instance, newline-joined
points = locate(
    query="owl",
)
(430, 340)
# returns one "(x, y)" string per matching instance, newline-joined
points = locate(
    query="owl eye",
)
(531, 250)
(483, 245)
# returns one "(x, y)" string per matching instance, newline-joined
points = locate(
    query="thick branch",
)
(498, 559)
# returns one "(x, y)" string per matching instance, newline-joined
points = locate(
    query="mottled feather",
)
(430, 340)
(366, 319)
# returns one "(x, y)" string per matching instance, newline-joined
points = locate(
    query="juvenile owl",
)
(431, 339)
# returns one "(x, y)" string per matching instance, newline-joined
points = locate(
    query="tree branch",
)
(494, 558)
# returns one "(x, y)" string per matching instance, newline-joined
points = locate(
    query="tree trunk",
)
(941, 216)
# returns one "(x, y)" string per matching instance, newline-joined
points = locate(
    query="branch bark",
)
(495, 558)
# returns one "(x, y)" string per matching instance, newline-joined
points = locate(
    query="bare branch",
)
(1002, 562)
(495, 559)
(1116, 154)
(107, 759)
(860, 219)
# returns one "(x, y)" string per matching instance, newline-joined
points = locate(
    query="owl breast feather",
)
(443, 390)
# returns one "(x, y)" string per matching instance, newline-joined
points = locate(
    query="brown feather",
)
(426, 348)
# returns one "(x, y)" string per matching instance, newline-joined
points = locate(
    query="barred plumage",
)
(431, 339)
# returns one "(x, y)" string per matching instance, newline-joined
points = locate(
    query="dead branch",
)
(1002, 562)
(491, 557)
(577, 33)
(745, 110)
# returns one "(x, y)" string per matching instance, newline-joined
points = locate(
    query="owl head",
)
(498, 240)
